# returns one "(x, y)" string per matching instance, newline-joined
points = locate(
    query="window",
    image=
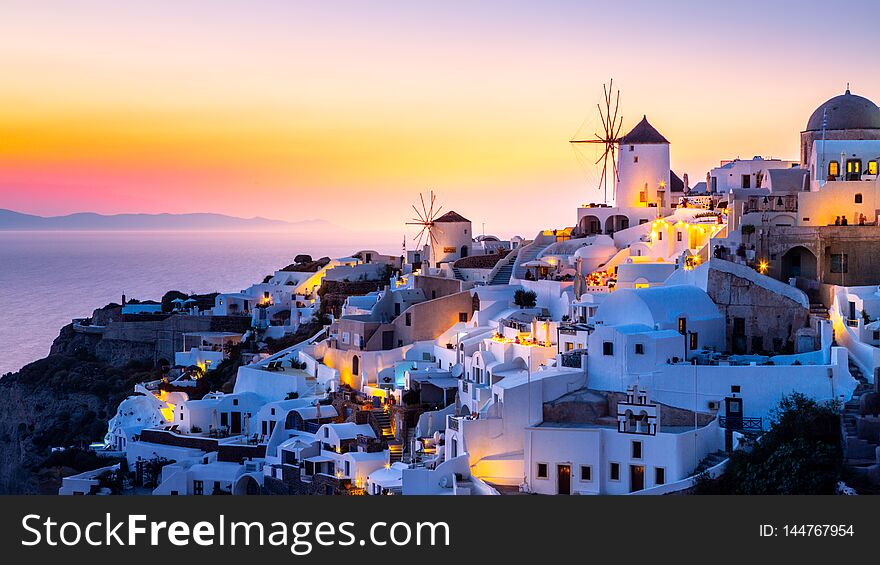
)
(876, 335)
(659, 236)
(635, 158)
(614, 472)
(347, 469)
(462, 316)
(694, 340)
(714, 184)
(858, 198)
(659, 476)
(235, 402)
(198, 487)
(586, 473)
(678, 236)
(607, 348)
(326, 432)
(839, 263)
(640, 349)
(632, 147)
(636, 450)
(853, 169)
(541, 472)
(682, 325)
(569, 346)
(833, 169)
(872, 167)
(747, 181)
(408, 318)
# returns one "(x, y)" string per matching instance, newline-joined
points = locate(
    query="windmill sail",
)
(606, 139)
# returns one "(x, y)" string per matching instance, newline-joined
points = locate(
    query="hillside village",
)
(633, 350)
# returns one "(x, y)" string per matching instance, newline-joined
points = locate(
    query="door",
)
(636, 478)
(236, 423)
(563, 479)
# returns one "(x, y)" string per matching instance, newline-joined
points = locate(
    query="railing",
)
(739, 423)
(852, 323)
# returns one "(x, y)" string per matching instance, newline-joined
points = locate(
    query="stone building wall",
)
(770, 321)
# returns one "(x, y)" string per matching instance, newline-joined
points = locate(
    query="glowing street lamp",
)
(763, 266)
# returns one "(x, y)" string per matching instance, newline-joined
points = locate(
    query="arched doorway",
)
(799, 262)
(590, 225)
(464, 251)
(246, 485)
(616, 223)
(355, 366)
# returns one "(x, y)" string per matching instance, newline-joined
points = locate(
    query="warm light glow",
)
(763, 266)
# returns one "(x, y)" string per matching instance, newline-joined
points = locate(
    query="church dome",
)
(847, 111)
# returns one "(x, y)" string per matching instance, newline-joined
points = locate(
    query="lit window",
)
(694, 340)
(678, 236)
(833, 169)
(682, 325)
(872, 167)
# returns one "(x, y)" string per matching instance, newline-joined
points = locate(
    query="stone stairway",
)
(818, 310)
(526, 254)
(457, 272)
(710, 461)
(382, 424)
(502, 275)
(859, 452)
(395, 451)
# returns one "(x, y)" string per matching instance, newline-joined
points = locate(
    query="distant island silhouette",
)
(87, 221)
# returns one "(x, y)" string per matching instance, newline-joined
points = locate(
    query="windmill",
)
(425, 218)
(607, 138)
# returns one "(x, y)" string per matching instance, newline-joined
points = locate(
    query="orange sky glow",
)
(296, 110)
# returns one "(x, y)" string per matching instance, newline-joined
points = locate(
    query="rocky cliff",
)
(63, 400)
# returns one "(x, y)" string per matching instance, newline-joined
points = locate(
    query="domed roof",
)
(847, 111)
(603, 247)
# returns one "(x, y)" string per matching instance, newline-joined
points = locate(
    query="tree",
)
(525, 298)
(800, 454)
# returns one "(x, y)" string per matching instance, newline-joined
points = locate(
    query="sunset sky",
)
(346, 110)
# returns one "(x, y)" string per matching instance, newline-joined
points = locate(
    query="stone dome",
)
(847, 111)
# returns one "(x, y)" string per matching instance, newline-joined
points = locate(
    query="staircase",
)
(395, 450)
(502, 275)
(818, 310)
(859, 452)
(457, 272)
(526, 254)
(382, 424)
(710, 461)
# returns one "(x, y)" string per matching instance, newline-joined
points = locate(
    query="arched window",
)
(833, 169)
(859, 198)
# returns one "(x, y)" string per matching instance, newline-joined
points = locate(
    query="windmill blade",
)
(424, 209)
(419, 214)
(437, 213)
(431, 208)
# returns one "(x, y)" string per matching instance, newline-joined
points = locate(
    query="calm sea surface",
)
(48, 278)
